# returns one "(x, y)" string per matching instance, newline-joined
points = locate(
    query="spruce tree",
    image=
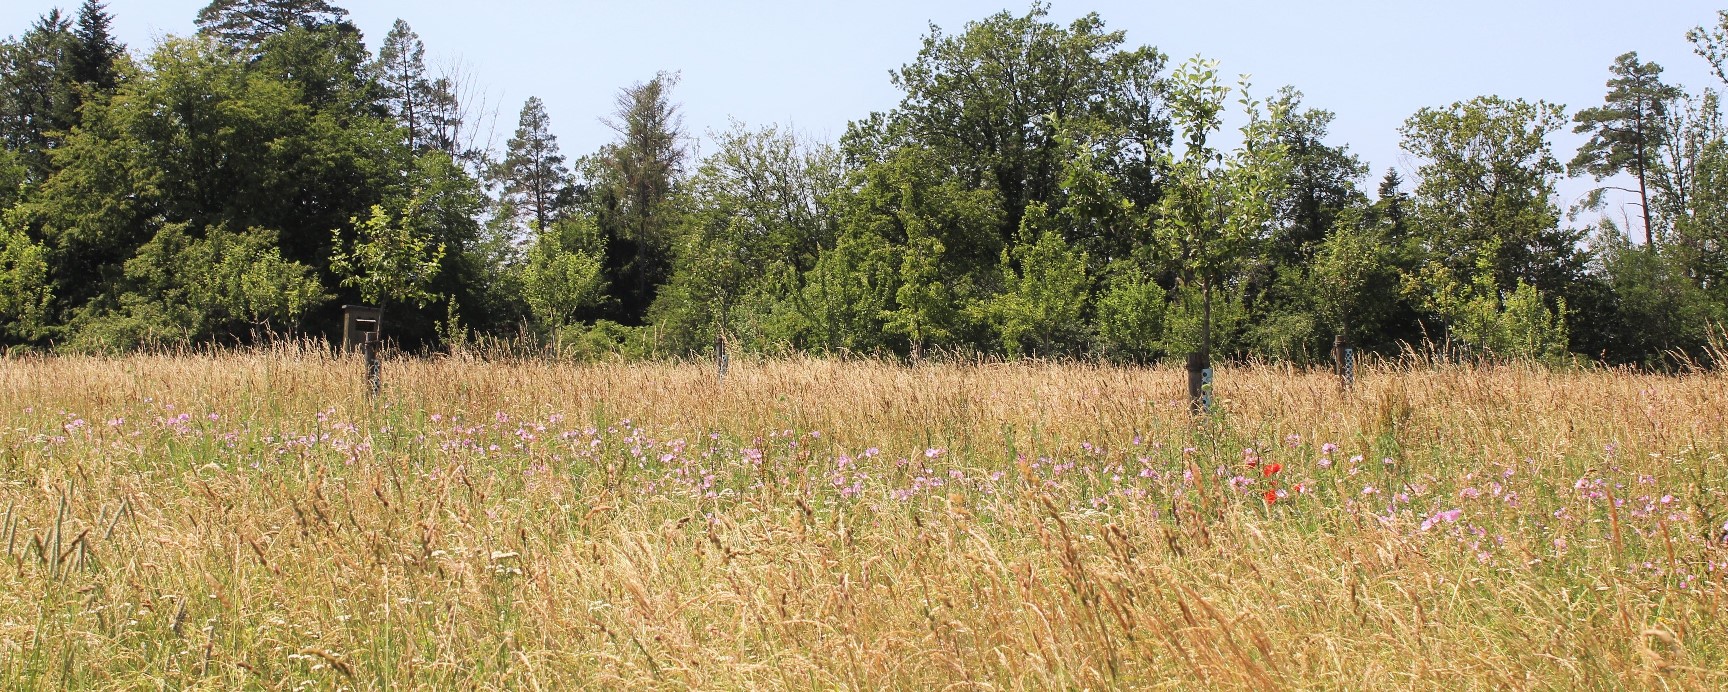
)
(642, 169)
(38, 94)
(95, 52)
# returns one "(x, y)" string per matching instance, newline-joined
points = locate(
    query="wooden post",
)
(722, 360)
(369, 349)
(1338, 347)
(1199, 382)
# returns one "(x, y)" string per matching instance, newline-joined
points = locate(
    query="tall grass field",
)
(256, 521)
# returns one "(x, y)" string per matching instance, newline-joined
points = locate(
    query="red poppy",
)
(1271, 496)
(1271, 468)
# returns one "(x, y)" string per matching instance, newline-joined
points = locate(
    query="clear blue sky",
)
(816, 64)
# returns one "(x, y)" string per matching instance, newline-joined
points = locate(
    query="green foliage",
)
(992, 102)
(1131, 317)
(1217, 206)
(96, 55)
(1492, 323)
(1045, 287)
(757, 214)
(1352, 277)
(633, 191)
(533, 173)
(1626, 130)
(1487, 181)
(1185, 317)
(1040, 188)
(251, 281)
(390, 259)
(1694, 199)
(924, 308)
(25, 294)
(242, 283)
(1659, 310)
(246, 24)
(846, 298)
(558, 282)
(607, 340)
(39, 96)
(1320, 180)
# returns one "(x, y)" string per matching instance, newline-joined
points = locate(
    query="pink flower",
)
(1447, 516)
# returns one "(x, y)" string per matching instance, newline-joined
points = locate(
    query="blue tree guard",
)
(1206, 390)
(1349, 368)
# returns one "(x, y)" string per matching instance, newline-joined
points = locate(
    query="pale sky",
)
(816, 65)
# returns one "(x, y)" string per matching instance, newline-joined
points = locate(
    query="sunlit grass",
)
(250, 520)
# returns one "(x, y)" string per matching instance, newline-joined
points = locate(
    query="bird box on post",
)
(357, 322)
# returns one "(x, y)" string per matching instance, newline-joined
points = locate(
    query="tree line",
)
(1039, 190)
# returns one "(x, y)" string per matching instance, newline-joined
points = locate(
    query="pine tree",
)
(244, 24)
(533, 172)
(1626, 130)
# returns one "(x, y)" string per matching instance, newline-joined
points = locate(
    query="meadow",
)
(253, 520)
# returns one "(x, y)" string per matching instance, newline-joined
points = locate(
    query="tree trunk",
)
(1644, 200)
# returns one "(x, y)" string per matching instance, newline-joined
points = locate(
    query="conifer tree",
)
(402, 68)
(38, 94)
(533, 172)
(245, 24)
(1626, 130)
(95, 52)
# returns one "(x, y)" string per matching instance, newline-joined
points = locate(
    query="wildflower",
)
(1328, 449)
(1271, 497)
(1272, 468)
(1447, 516)
(1325, 462)
(1293, 439)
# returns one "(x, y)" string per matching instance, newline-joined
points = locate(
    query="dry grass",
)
(1051, 526)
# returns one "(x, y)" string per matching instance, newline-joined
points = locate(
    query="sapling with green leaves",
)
(1218, 204)
(390, 259)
